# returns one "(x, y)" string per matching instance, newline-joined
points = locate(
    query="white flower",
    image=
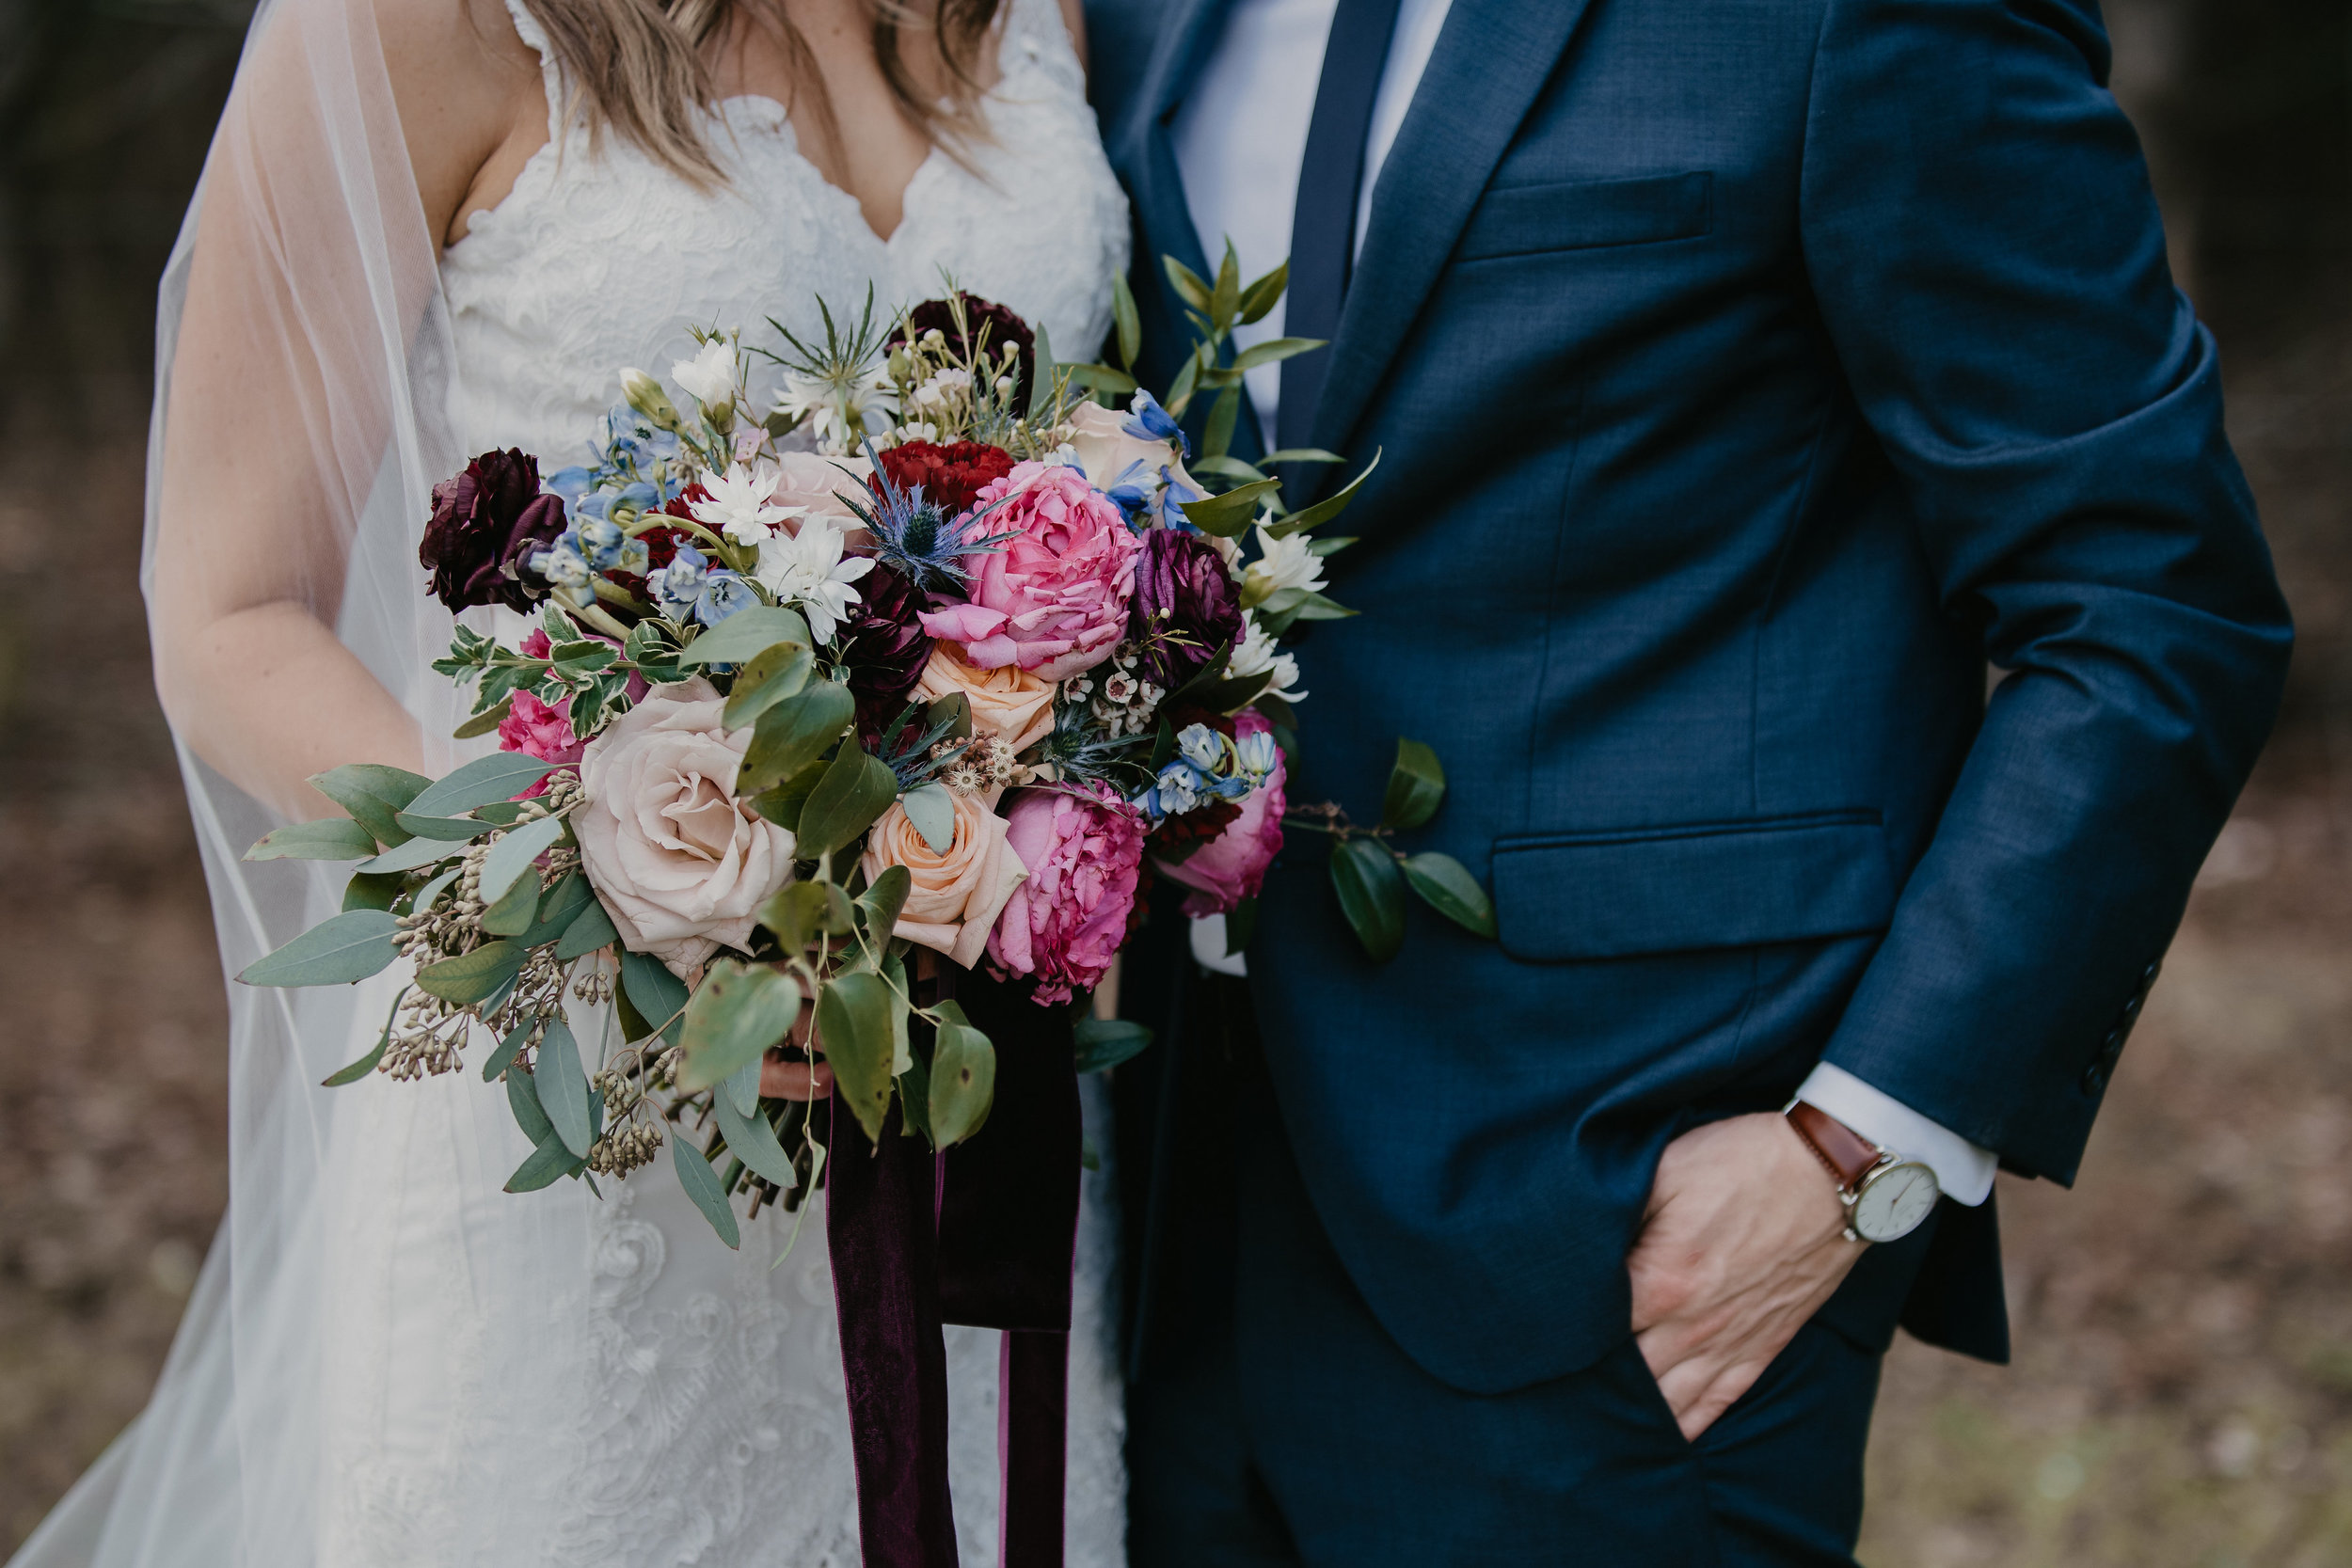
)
(1258, 653)
(740, 506)
(945, 387)
(1281, 563)
(709, 378)
(838, 409)
(808, 569)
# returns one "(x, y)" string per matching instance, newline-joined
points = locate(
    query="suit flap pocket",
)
(1669, 889)
(1571, 214)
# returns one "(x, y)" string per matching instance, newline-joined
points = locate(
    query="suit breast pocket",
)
(1584, 214)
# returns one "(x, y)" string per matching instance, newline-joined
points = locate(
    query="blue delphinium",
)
(678, 587)
(723, 594)
(636, 468)
(1147, 421)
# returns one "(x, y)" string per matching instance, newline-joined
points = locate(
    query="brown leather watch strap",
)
(1847, 1154)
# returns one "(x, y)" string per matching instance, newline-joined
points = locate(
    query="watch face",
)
(1893, 1201)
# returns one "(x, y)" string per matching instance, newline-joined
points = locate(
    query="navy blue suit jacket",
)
(1750, 373)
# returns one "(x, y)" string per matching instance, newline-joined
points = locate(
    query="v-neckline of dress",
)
(789, 135)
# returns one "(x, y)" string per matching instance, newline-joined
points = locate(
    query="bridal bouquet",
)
(922, 647)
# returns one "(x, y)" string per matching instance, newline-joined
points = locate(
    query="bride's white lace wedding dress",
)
(551, 1378)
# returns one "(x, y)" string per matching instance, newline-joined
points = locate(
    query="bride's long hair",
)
(640, 68)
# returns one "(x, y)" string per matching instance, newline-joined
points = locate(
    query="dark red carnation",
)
(883, 647)
(486, 524)
(1185, 607)
(951, 476)
(989, 322)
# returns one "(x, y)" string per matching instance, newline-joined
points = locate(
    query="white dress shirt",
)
(1241, 134)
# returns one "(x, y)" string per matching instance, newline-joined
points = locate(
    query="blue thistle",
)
(915, 537)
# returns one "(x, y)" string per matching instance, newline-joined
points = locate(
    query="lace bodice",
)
(600, 260)
(565, 1379)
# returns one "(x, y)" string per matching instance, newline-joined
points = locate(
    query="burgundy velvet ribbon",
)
(982, 1234)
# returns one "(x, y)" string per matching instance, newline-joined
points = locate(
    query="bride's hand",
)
(783, 1079)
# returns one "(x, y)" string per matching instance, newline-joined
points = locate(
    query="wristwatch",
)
(1886, 1197)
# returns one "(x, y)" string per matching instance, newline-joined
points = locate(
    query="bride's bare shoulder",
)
(468, 90)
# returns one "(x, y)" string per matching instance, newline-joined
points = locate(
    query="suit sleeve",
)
(1985, 252)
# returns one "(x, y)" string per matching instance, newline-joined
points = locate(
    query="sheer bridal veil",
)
(306, 285)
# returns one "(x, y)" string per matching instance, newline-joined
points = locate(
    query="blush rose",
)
(681, 865)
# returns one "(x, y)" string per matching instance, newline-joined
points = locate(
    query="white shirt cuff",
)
(1962, 1170)
(1208, 949)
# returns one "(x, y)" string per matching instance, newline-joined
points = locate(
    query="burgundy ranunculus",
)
(951, 476)
(984, 318)
(486, 524)
(884, 647)
(1184, 608)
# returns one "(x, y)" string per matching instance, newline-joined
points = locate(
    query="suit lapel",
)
(1492, 59)
(1147, 152)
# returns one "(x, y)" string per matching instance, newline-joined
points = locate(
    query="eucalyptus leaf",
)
(1446, 886)
(782, 805)
(432, 891)
(932, 810)
(741, 1087)
(1372, 894)
(1228, 514)
(953, 710)
(336, 952)
(853, 1024)
(508, 1049)
(513, 855)
(884, 896)
(366, 891)
(562, 1085)
(373, 792)
(1326, 509)
(522, 1098)
(589, 929)
(856, 790)
(772, 674)
(1416, 786)
(474, 976)
(702, 1183)
(659, 996)
(737, 1015)
(487, 720)
(1105, 1042)
(330, 838)
(793, 732)
(746, 634)
(558, 908)
(751, 1140)
(796, 913)
(963, 1082)
(499, 813)
(500, 776)
(365, 1065)
(548, 1162)
(1124, 316)
(442, 830)
(513, 914)
(894, 974)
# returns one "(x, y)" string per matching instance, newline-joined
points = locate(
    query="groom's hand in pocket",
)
(1743, 1240)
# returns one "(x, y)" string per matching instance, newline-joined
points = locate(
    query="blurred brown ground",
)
(2183, 1391)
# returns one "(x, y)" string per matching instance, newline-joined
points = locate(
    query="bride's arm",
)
(287, 370)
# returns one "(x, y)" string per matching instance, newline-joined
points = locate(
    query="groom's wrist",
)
(1962, 1170)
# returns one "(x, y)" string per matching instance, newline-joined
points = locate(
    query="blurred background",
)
(2181, 1396)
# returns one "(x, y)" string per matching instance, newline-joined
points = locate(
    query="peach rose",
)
(1011, 705)
(957, 896)
(680, 863)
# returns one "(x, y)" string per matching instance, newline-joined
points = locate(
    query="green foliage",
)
(932, 810)
(562, 1086)
(1446, 886)
(330, 838)
(1372, 894)
(1104, 1043)
(548, 1163)
(442, 830)
(794, 732)
(370, 892)
(372, 793)
(702, 1183)
(659, 996)
(1326, 509)
(508, 1049)
(484, 721)
(513, 914)
(878, 906)
(473, 976)
(782, 805)
(522, 1098)
(1229, 516)
(365, 1065)
(348, 947)
(853, 1024)
(772, 674)
(1416, 786)
(557, 908)
(513, 854)
(737, 1015)
(751, 1140)
(500, 776)
(745, 635)
(856, 790)
(963, 1085)
(589, 929)
(1125, 317)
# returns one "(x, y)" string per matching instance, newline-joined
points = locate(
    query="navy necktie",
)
(1331, 176)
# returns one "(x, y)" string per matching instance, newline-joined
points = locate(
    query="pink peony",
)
(1052, 599)
(539, 730)
(1231, 866)
(1065, 923)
